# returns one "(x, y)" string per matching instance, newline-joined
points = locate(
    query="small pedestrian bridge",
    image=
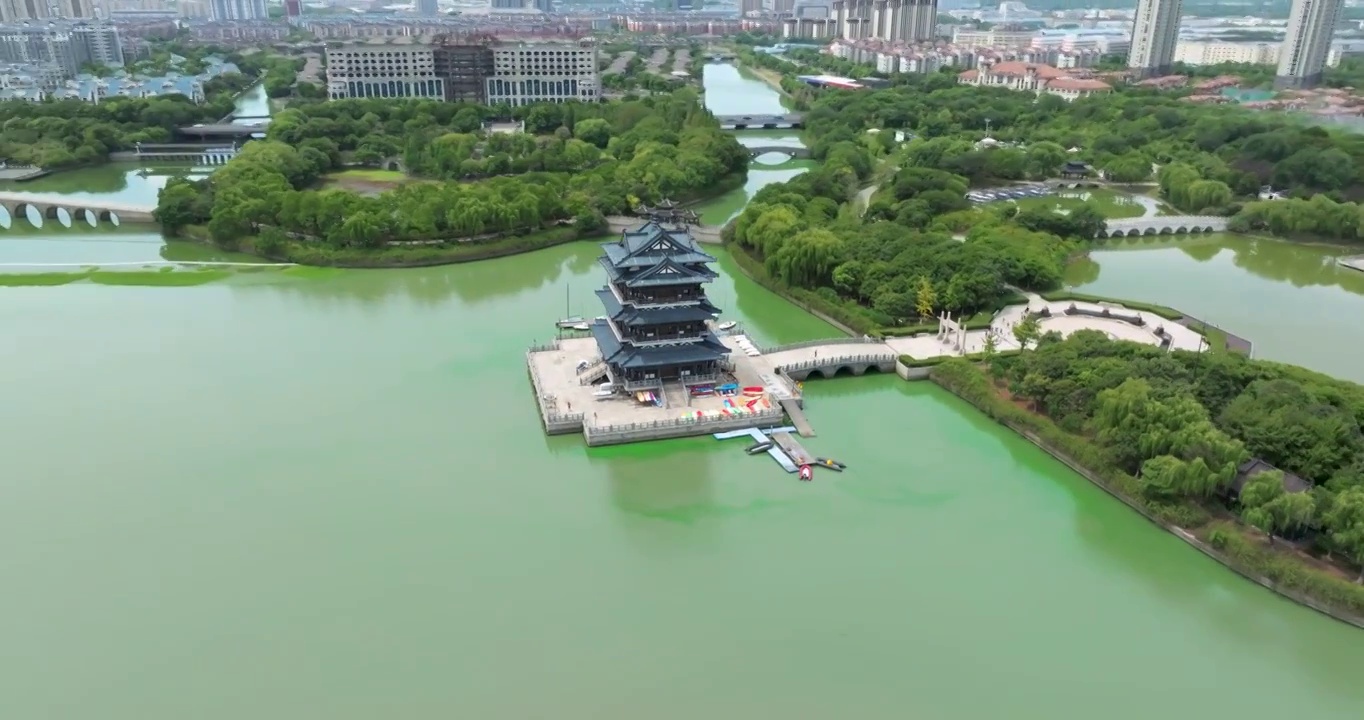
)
(222, 130)
(198, 153)
(791, 153)
(828, 358)
(67, 212)
(760, 122)
(1164, 225)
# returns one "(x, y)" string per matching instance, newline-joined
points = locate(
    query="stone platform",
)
(567, 405)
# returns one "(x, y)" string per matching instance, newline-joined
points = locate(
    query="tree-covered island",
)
(469, 192)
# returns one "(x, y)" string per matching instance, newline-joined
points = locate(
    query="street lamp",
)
(987, 127)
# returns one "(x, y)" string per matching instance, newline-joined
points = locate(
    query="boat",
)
(756, 448)
(568, 322)
(806, 473)
(832, 464)
(581, 327)
(727, 325)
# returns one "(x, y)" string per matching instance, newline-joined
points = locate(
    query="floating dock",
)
(775, 451)
(797, 415)
(793, 449)
(787, 450)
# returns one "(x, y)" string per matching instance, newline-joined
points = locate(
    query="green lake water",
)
(331, 497)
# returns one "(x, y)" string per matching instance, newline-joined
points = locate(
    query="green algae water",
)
(1291, 300)
(328, 495)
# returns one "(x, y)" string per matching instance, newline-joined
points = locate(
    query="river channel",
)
(330, 496)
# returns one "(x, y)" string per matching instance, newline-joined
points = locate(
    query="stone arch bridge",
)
(791, 153)
(1164, 225)
(92, 212)
(760, 122)
(830, 357)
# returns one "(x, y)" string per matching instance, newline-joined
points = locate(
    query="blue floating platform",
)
(761, 436)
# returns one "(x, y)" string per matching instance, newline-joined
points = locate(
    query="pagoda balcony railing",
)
(664, 342)
(654, 305)
(709, 379)
(638, 385)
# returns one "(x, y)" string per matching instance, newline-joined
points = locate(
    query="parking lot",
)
(1009, 193)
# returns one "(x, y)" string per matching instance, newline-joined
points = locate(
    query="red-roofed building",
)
(1033, 77)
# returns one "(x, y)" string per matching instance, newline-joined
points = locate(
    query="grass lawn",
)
(368, 174)
(1114, 205)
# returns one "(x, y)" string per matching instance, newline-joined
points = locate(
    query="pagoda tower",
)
(655, 329)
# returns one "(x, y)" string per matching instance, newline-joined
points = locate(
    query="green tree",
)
(1345, 522)
(1028, 330)
(925, 298)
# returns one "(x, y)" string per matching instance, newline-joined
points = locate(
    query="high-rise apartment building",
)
(427, 7)
(1155, 31)
(293, 8)
(64, 46)
(238, 10)
(906, 21)
(546, 6)
(508, 4)
(491, 73)
(526, 73)
(747, 7)
(20, 10)
(1311, 23)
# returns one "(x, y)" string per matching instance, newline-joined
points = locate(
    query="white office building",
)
(1155, 32)
(1311, 24)
(543, 72)
(238, 10)
(1214, 53)
(383, 70)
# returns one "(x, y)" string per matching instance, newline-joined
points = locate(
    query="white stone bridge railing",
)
(90, 211)
(829, 366)
(820, 343)
(678, 427)
(1164, 225)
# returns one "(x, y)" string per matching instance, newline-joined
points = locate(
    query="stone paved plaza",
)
(927, 346)
(557, 375)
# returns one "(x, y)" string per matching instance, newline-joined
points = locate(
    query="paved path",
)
(927, 346)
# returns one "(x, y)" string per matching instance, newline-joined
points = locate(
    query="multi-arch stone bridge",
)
(1164, 225)
(792, 153)
(760, 122)
(827, 358)
(92, 212)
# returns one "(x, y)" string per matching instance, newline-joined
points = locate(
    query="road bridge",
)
(1164, 225)
(222, 130)
(760, 122)
(792, 153)
(91, 212)
(827, 358)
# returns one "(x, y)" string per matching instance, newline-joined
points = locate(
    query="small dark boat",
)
(756, 448)
(831, 464)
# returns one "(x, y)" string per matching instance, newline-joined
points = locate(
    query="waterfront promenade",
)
(569, 403)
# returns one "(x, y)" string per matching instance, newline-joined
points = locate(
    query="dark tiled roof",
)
(1250, 468)
(625, 355)
(663, 272)
(631, 315)
(650, 243)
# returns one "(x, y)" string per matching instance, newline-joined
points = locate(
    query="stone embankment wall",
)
(681, 427)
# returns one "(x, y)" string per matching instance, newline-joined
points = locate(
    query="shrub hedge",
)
(1064, 295)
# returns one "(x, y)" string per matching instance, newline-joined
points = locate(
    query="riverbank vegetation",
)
(575, 165)
(1260, 460)
(921, 246)
(163, 276)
